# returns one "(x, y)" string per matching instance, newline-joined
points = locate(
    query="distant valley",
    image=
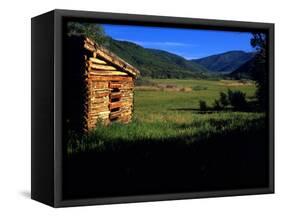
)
(162, 64)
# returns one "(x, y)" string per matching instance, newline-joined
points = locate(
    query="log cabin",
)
(97, 85)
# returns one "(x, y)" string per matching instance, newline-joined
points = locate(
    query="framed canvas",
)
(130, 108)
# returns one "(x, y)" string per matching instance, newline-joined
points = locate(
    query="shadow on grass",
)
(225, 160)
(252, 106)
(209, 111)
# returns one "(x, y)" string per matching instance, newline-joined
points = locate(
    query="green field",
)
(171, 146)
(169, 109)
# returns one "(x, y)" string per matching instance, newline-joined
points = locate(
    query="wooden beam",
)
(99, 99)
(107, 73)
(114, 105)
(115, 85)
(89, 41)
(115, 95)
(100, 94)
(109, 56)
(99, 77)
(97, 61)
(100, 85)
(89, 47)
(101, 67)
(115, 114)
(117, 62)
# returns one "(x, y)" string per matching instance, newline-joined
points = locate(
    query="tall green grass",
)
(160, 116)
(200, 127)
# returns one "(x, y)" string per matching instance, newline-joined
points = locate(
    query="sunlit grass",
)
(163, 115)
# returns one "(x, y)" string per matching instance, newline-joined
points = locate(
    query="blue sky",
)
(188, 43)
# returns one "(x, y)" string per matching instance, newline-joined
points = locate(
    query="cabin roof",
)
(110, 57)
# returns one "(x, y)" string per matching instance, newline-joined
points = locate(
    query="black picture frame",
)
(46, 147)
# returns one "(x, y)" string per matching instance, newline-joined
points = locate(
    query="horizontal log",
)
(99, 113)
(99, 91)
(127, 85)
(126, 102)
(126, 88)
(127, 105)
(99, 85)
(99, 100)
(95, 116)
(117, 61)
(114, 105)
(125, 114)
(95, 109)
(97, 106)
(126, 96)
(89, 41)
(102, 67)
(96, 60)
(89, 47)
(105, 113)
(109, 56)
(115, 85)
(107, 73)
(129, 96)
(114, 114)
(95, 77)
(126, 109)
(101, 94)
(125, 91)
(115, 95)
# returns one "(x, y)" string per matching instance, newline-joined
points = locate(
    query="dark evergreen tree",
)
(260, 69)
(91, 30)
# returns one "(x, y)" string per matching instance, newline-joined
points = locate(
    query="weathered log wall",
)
(110, 88)
(99, 86)
(110, 93)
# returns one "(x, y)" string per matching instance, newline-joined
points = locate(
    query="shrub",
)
(237, 99)
(203, 105)
(224, 99)
(217, 105)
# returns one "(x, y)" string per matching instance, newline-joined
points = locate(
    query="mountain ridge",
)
(156, 63)
(245, 71)
(226, 62)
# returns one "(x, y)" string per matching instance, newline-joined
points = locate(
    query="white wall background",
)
(15, 107)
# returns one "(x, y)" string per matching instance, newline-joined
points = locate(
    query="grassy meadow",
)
(169, 108)
(170, 145)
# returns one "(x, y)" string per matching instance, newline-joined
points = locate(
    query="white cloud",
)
(160, 43)
(185, 56)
